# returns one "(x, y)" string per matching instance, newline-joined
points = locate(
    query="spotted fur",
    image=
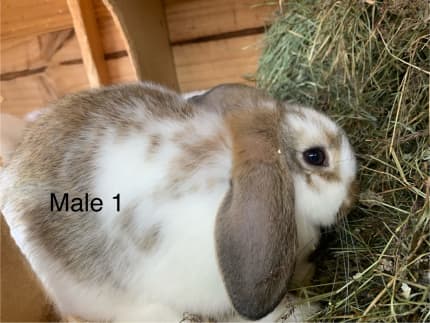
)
(217, 204)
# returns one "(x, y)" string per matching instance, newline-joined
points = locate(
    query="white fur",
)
(318, 207)
(181, 274)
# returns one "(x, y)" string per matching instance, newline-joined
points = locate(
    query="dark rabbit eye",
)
(315, 156)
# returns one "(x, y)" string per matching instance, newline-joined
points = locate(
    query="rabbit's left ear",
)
(255, 228)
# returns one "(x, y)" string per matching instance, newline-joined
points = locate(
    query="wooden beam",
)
(23, 298)
(87, 33)
(143, 24)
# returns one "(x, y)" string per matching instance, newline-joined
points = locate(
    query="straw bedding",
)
(366, 63)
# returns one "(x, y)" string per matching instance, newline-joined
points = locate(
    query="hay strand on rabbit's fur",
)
(366, 63)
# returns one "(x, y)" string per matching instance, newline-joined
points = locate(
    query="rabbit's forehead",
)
(311, 128)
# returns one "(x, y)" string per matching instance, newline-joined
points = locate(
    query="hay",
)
(366, 63)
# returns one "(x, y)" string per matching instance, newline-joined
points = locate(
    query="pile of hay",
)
(366, 63)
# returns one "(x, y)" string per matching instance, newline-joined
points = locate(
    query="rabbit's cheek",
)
(318, 206)
(350, 199)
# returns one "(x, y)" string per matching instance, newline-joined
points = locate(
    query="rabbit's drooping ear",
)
(255, 227)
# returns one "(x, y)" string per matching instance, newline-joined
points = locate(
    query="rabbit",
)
(309, 216)
(204, 206)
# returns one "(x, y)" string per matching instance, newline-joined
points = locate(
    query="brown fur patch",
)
(145, 240)
(334, 140)
(154, 144)
(330, 176)
(150, 238)
(351, 198)
(194, 155)
(199, 151)
(255, 135)
(309, 181)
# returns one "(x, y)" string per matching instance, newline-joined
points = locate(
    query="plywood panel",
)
(203, 65)
(40, 22)
(30, 53)
(120, 70)
(191, 19)
(24, 94)
(38, 69)
(52, 63)
(25, 18)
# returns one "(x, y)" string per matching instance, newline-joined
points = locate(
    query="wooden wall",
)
(213, 41)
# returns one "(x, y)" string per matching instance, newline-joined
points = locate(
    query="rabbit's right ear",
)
(255, 227)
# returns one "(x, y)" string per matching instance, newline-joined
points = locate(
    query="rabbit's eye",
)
(315, 156)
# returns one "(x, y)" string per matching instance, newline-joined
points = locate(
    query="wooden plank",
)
(111, 36)
(25, 94)
(87, 33)
(203, 65)
(30, 53)
(143, 24)
(57, 55)
(14, 31)
(38, 69)
(193, 19)
(22, 296)
(120, 70)
(26, 18)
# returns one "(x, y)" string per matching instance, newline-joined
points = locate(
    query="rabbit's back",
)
(160, 169)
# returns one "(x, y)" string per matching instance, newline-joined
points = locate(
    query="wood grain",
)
(203, 65)
(29, 53)
(192, 19)
(36, 70)
(88, 35)
(25, 94)
(111, 36)
(143, 24)
(120, 70)
(44, 67)
(22, 296)
(32, 52)
(13, 36)
(26, 18)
